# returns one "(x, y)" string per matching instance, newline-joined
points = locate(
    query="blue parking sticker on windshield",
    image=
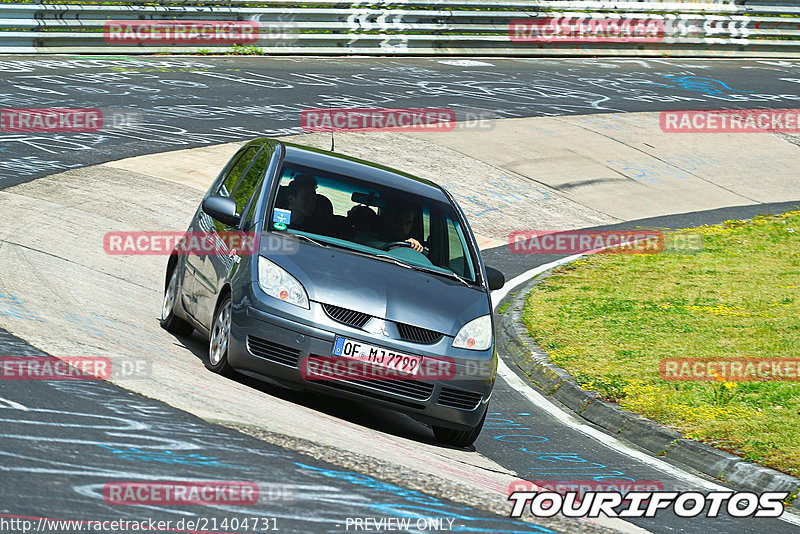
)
(338, 346)
(281, 216)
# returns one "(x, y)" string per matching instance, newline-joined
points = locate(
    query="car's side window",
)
(245, 188)
(457, 247)
(251, 185)
(215, 185)
(426, 224)
(234, 174)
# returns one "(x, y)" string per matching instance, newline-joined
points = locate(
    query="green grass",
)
(247, 50)
(610, 319)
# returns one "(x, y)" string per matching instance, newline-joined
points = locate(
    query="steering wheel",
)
(396, 244)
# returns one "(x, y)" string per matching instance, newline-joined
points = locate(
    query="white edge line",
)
(565, 418)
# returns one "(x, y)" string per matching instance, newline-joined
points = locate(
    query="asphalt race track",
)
(181, 102)
(96, 432)
(61, 441)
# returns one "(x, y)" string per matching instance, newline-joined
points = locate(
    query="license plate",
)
(388, 359)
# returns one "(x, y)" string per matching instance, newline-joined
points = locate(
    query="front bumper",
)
(265, 344)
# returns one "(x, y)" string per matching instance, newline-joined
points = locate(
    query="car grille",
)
(416, 334)
(345, 386)
(348, 317)
(407, 388)
(463, 400)
(273, 351)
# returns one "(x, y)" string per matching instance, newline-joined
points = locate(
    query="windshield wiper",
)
(392, 259)
(446, 273)
(311, 240)
(424, 269)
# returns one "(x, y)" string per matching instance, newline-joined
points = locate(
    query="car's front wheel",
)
(220, 336)
(459, 438)
(169, 321)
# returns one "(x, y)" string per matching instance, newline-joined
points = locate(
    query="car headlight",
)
(475, 335)
(277, 283)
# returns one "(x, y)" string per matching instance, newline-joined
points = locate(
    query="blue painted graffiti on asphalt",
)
(167, 457)
(565, 464)
(501, 191)
(709, 86)
(417, 505)
(11, 305)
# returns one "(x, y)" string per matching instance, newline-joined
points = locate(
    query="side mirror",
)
(222, 209)
(495, 278)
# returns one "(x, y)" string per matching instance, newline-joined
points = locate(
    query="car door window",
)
(457, 250)
(248, 189)
(234, 174)
(248, 184)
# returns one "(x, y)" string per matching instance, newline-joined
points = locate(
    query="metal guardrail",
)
(413, 27)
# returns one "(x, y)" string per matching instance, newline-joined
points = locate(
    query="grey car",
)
(358, 280)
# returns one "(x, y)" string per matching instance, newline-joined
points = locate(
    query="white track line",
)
(513, 380)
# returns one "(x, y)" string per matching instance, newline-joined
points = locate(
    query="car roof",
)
(363, 170)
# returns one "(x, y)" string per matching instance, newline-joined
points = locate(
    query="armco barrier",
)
(412, 27)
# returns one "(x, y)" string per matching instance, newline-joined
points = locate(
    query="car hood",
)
(383, 289)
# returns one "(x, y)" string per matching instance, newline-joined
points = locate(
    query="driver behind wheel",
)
(395, 225)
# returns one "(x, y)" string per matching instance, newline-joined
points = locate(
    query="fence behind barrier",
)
(409, 27)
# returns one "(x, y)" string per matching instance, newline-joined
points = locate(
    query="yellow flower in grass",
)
(712, 230)
(721, 310)
(642, 397)
(557, 355)
(716, 375)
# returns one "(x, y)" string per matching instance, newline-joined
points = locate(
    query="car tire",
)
(169, 321)
(220, 338)
(459, 438)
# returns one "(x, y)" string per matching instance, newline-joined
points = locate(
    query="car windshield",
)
(368, 218)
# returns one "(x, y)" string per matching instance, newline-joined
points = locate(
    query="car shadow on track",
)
(359, 413)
